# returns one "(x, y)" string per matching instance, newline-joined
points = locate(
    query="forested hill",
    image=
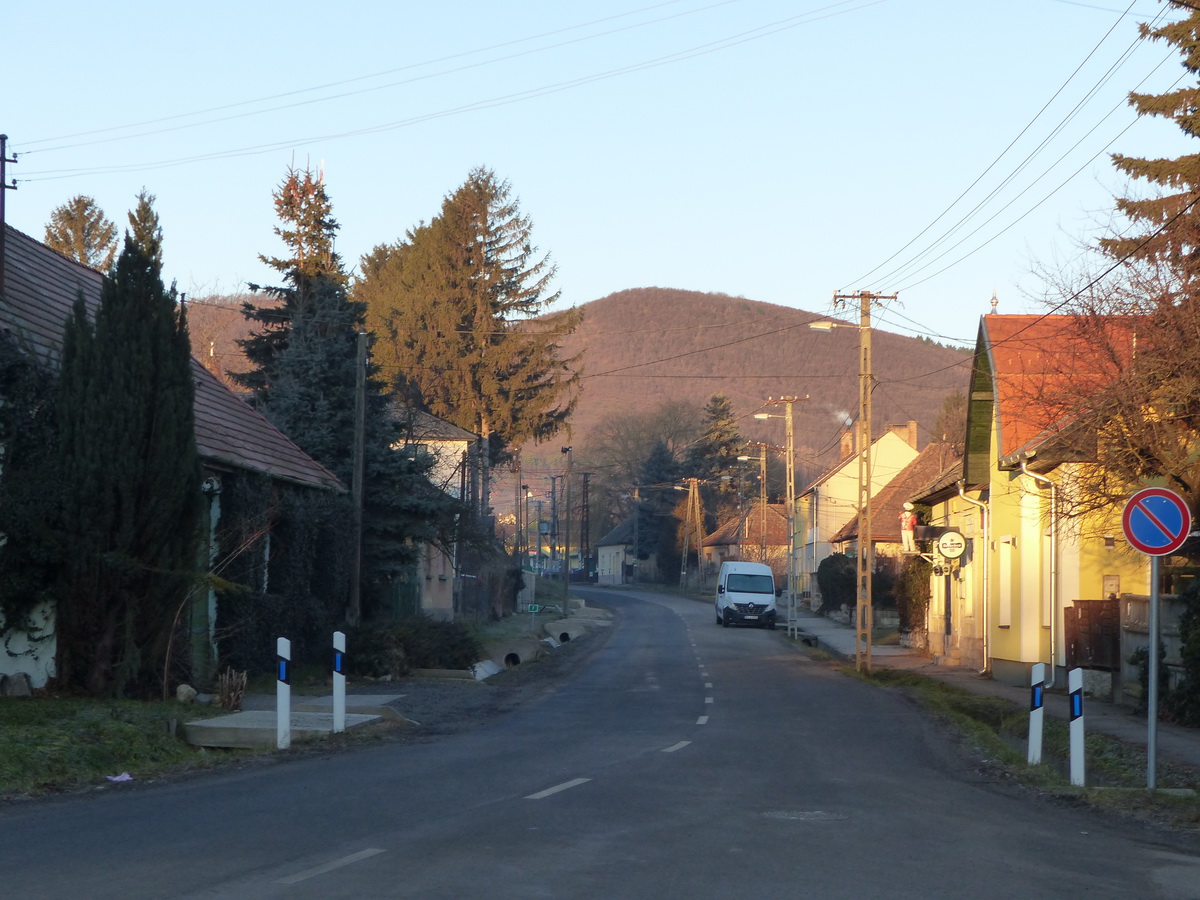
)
(647, 345)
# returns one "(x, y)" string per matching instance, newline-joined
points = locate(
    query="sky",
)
(941, 150)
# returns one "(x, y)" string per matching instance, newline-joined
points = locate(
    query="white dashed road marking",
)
(675, 747)
(703, 720)
(566, 785)
(330, 866)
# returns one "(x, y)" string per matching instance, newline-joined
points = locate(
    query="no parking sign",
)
(1156, 521)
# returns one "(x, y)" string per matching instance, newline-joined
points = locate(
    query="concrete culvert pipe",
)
(564, 637)
(511, 659)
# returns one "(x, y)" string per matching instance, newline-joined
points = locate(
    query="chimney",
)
(907, 433)
(847, 443)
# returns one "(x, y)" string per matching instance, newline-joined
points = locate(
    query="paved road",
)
(685, 760)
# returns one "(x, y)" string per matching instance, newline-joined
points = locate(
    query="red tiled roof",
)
(40, 288)
(1043, 368)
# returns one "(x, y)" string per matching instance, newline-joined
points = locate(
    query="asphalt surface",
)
(673, 759)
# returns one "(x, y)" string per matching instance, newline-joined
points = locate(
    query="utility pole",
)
(4, 186)
(566, 603)
(553, 520)
(866, 546)
(358, 477)
(585, 523)
(790, 449)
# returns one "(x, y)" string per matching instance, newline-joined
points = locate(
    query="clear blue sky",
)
(774, 150)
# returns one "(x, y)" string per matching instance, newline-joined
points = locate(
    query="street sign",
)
(533, 607)
(951, 544)
(1156, 521)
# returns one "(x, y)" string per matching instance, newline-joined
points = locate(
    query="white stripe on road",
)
(708, 684)
(675, 747)
(330, 866)
(566, 785)
(708, 699)
(703, 720)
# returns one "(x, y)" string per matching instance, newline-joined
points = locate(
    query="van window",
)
(750, 584)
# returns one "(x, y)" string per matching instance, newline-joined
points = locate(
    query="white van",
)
(746, 594)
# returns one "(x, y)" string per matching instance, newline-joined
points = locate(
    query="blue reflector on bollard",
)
(1076, 704)
(283, 670)
(1037, 699)
(339, 662)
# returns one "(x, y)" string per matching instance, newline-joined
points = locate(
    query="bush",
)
(393, 649)
(836, 577)
(1183, 703)
(912, 594)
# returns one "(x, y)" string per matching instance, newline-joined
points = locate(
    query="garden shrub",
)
(395, 648)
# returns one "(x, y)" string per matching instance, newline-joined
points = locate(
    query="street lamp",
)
(762, 500)
(793, 624)
(864, 612)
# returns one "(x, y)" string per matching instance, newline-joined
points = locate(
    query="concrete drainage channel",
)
(512, 652)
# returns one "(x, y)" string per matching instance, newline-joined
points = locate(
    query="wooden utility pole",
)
(864, 612)
(566, 602)
(4, 186)
(354, 613)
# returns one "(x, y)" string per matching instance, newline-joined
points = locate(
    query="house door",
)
(948, 602)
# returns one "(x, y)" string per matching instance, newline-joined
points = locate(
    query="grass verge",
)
(57, 744)
(1000, 728)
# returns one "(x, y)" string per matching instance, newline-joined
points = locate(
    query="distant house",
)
(758, 534)
(617, 560)
(831, 501)
(434, 587)
(40, 288)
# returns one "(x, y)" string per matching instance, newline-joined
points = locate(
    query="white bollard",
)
(1037, 714)
(283, 694)
(339, 682)
(1075, 686)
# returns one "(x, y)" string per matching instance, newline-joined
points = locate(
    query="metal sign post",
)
(1156, 522)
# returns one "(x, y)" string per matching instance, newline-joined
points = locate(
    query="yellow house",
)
(1027, 574)
(829, 502)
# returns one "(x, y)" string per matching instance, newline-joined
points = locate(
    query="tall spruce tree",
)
(1135, 396)
(128, 502)
(305, 383)
(79, 229)
(453, 308)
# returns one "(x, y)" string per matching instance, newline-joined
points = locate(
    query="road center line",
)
(708, 699)
(330, 866)
(675, 747)
(703, 720)
(566, 785)
(708, 684)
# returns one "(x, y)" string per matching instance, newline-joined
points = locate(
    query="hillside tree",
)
(80, 230)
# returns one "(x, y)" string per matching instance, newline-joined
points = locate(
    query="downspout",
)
(1042, 479)
(987, 580)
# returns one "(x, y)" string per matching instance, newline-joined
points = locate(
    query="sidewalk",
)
(1175, 742)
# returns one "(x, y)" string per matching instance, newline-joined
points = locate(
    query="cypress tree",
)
(129, 502)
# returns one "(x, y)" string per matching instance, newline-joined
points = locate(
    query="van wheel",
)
(771, 627)
(725, 620)
(719, 622)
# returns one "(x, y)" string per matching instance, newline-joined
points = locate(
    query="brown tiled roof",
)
(428, 427)
(747, 528)
(40, 289)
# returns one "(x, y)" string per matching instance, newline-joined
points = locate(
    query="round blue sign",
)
(1156, 521)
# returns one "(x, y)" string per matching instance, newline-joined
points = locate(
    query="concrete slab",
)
(256, 728)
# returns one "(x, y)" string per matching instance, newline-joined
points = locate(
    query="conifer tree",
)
(453, 308)
(716, 451)
(129, 501)
(305, 383)
(1167, 223)
(79, 229)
